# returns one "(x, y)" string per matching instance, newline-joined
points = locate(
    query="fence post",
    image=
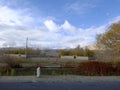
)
(38, 72)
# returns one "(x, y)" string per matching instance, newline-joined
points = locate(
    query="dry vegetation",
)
(16, 66)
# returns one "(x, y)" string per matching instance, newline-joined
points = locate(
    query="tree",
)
(22, 51)
(77, 51)
(12, 62)
(109, 42)
(65, 52)
(88, 52)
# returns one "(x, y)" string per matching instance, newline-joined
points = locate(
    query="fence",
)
(32, 71)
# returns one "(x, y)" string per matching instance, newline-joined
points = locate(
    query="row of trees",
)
(78, 51)
(15, 51)
(24, 51)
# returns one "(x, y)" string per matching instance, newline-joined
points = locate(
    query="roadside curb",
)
(66, 78)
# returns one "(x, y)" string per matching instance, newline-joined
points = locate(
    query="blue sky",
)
(55, 23)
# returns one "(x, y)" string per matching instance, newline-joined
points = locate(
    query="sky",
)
(55, 23)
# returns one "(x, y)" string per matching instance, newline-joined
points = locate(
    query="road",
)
(61, 85)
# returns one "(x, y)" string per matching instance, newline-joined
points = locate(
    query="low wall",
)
(82, 58)
(17, 55)
(75, 57)
(67, 57)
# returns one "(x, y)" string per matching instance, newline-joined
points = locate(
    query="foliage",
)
(69, 64)
(109, 42)
(23, 51)
(5, 71)
(65, 52)
(31, 51)
(12, 62)
(78, 51)
(15, 51)
(89, 68)
(98, 68)
(89, 53)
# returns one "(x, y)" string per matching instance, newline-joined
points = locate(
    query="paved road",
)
(61, 85)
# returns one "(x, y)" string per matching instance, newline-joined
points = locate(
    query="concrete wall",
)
(67, 57)
(82, 58)
(17, 55)
(50, 58)
(75, 57)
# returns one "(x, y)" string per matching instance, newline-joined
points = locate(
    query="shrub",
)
(12, 62)
(69, 64)
(117, 68)
(5, 71)
(98, 68)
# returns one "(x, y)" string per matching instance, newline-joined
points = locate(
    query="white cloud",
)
(65, 27)
(15, 27)
(51, 25)
(8, 16)
(13, 17)
(13, 36)
(68, 27)
(70, 36)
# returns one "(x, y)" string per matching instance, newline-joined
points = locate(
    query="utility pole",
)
(26, 48)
